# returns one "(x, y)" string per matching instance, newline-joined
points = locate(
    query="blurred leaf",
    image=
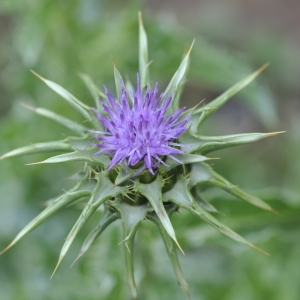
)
(143, 55)
(71, 125)
(118, 82)
(131, 218)
(39, 148)
(201, 114)
(176, 80)
(172, 253)
(55, 206)
(203, 174)
(95, 92)
(78, 155)
(98, 197)
(73, 101)
(213, 143)
(180, 195)
(105, 221)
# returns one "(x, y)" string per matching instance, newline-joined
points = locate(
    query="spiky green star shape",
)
(143, 159)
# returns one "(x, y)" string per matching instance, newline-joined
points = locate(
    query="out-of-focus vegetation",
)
(60, 38)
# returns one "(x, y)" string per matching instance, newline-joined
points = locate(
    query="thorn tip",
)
(76, 259)
(179, 246)
(6, 248)
(140, 18)
(37, 75)
(58, 263)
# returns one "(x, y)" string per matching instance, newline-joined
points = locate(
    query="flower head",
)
(139, 131)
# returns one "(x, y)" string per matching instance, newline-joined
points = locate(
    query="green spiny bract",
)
(133, 197)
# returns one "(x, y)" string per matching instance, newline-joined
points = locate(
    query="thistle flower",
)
(141, 132)
(148, 162)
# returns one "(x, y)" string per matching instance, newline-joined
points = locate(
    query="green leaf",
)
(200, 114)
(79, 143)
(39, 148)
(213, 143)
(118, 81)
(95, 92)
(87, 212)
(131, 218)
(124, 175)
(203, 174)
(176, 80)
(96, 124)
(71, 125)
(87, 155)
(179, 193)
(172, 253)
(128, 253)
(175, 104)
(199, 211)
(143, 55)
(202, 202)
(54, 206)
(200, 173)
(192, 140)
(129, 89)
(181, 196)
(152, 192)
(107, 189)
(103, 191)
(105, 221)
(72, 100)
(239, 193)
(185, 158)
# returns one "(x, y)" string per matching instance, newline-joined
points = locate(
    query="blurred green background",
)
(58, 39)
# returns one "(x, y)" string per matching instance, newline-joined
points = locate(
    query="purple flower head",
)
(139, 131)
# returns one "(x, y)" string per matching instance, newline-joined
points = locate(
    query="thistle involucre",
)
(142, 132)
(147, 163)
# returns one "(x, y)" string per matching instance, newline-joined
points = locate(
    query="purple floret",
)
(141, 131)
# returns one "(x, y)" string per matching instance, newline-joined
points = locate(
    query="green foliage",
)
(154, 197)
(56, 40)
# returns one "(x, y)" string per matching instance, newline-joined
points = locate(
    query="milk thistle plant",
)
(143, 159)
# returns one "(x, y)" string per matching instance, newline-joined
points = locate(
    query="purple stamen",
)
(141, 132)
